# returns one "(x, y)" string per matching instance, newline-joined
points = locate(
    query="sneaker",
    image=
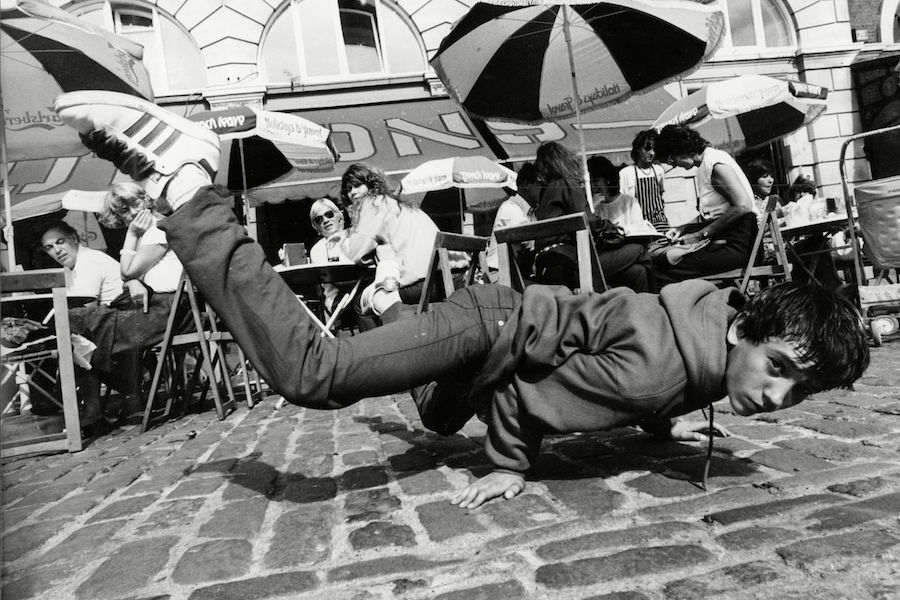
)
(143, 140)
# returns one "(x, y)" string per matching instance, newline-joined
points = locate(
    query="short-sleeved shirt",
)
(96, 275)
(165, 274)
(710, 203)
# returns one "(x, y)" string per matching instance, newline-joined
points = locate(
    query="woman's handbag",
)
(607, 235)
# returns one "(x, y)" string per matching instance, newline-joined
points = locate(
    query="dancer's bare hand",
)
(695, 431)
(490, 486)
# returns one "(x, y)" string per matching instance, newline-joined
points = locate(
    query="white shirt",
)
(319, 254)
(711, 203)
(629, 175)
(514, 211)
(165, 274)
(96, 274)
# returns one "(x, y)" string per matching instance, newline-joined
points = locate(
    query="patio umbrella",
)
(269, 144)
(44, 52)
(528, 60)
(461, 172)
(747, 111)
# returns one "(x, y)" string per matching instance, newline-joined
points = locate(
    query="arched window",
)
(756, 24)
(890, 22)
(171, 56)
(320, 40)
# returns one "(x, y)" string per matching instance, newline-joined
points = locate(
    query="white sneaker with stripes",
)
(143, 140)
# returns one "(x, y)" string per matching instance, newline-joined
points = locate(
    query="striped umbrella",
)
(44, 52)
(459, 172)
(747, 111)
(528, 60)
(269, 144)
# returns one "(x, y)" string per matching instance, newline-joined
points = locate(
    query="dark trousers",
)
(264, 317)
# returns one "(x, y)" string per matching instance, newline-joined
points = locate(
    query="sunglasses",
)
(328, 214)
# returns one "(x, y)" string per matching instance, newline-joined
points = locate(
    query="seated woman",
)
(722, 237)
(137, 321)
(401, 235)
(89, 273)
(812, 255)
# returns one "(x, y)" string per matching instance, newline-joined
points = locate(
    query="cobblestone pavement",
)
(804, 503)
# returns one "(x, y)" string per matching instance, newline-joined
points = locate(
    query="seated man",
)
(546, 361)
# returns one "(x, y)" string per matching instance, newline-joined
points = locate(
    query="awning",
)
(399, 136)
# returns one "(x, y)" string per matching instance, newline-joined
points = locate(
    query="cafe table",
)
(306, 282)
(833, 223)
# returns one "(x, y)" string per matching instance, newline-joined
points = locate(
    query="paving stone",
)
(257, 588)
(660, 486)
(656, 448)
(722, 471)
(426, 482)
(831, 450)
(634, 536)
(859, 487)
(790, 461)
(857, 543)
(723, 582)
(386, 566)
(239, 519)
(301, 536)
(444, 521)
(847, 429)
(313, 489)
(589, 497)
(505, 590)
(196, 487)
(523, 511)
(129, 568)
(370, 505)
(359, 458)
(769, 510)
(620, 596)
(362, 477)
(23, 540)
(621, 565)
(412, 460)
(85, 541)
(36, 582)
(819, 479)
(251, 479)
(313, 465)
(751, 538)
(213, 561)
(47, 494)
(72, 506)
(124, 508)
(736, 496)
(381, 533)
(854, 513)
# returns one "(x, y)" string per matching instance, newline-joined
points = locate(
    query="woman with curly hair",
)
(721, 238)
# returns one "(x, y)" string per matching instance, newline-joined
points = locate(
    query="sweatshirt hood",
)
(699, 313)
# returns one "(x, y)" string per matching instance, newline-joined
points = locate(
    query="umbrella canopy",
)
(45, 51)
(270, 144)
(514, 59)
(461, 172)
(747, 111)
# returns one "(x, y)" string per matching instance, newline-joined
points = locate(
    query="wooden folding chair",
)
(511, 275)
(171, 353)
(763, 273)
(444, 244)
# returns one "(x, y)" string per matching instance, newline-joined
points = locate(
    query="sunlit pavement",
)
(289, 503)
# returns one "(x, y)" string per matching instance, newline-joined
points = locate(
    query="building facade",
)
(361, 68)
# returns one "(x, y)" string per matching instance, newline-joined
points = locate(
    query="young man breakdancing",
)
(544, 361)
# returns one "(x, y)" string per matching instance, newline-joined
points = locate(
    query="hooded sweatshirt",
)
(586, 362)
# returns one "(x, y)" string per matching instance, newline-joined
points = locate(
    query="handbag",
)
(607, 235)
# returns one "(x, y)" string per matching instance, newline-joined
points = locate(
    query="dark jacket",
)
(559, 197)
(568, 363)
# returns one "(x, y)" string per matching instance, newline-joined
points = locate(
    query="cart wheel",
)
(876, 333)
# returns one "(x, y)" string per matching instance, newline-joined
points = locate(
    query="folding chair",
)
(444, 244)
(38, 281)
(511, 275)
(171, 353)
(764, 273)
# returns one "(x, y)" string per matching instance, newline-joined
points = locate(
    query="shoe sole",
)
(154, 120)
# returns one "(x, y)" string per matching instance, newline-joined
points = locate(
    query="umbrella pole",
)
(462, 209)
(245, 204)
(584, 167)
(7, 201)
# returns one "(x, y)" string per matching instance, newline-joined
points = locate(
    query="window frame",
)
(344, 75)
(729, 51)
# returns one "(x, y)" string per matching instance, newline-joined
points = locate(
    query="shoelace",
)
(709, 450)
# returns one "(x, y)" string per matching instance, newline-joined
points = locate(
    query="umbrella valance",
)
(461, 172)
(747, 111)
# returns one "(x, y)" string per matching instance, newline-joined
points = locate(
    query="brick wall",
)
(866, 15)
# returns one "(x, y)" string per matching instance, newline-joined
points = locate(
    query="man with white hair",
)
(328, 221)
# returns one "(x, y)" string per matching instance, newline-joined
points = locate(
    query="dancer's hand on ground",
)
(490, 486)
(695, 431)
